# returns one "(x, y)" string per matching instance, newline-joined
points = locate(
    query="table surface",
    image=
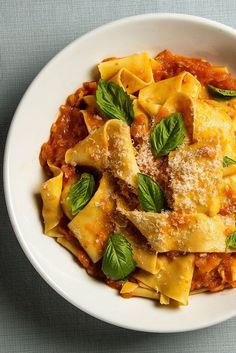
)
(33, 318)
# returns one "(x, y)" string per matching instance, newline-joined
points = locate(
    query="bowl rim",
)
(6, 180)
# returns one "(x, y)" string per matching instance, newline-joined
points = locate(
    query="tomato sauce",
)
(171, 65)
(213, 271)
(68, 130)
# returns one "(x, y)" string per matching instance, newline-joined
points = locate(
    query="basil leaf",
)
(167, 135)
(221, 93)
(228, 161)
(150, 194)
(118, 260)
(81, 192)
(231, 240)
(114, 102)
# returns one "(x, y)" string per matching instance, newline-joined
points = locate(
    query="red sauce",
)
(213, 271)
(171, 65)
(114, 284)
(68, 172)
(68, 130)
(91, 87)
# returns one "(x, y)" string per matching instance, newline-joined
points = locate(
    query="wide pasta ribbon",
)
(141, 124)
(173, 279)
(51, 195)
(169, 231)
(91, 151)
(152, 97)
(131, 73)
(92, 120)
(195, 178)
(144, 257)
(213, 122)
(92, 225)
(65, 202)
(179, 103)
(205, 120)
(138, 110)
(131, 289)
(109, 147)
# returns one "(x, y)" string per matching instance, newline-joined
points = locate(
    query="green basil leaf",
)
(150, 194)
(231, 240)
(118, 260)
(81, 192)
(228, 161)
(114, 102)
(167, 135)
(221, 93)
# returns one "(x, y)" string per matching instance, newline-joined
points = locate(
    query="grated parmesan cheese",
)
(195, 173)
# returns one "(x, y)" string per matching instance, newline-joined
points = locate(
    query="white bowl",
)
(38, 109)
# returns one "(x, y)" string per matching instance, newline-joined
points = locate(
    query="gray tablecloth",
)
(33, 318)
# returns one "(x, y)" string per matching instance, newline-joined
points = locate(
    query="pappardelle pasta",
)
(142, 176)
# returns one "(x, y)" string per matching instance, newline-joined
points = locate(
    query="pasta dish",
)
(141, 176)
